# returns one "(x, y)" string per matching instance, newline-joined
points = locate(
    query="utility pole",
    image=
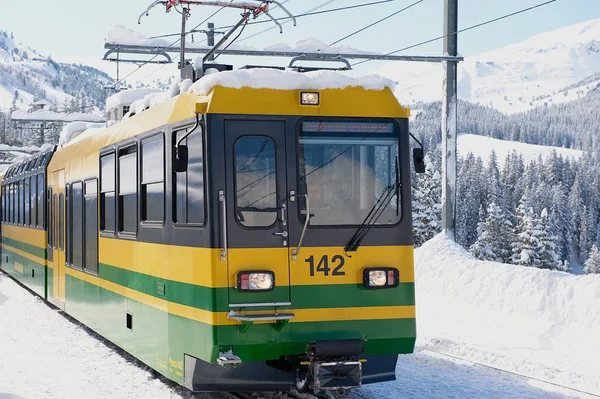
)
(184, 15)
(211, 38)
(449, 119)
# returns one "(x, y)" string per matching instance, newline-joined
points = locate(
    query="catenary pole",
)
(184, 14)
(211, 38)
(449, 119)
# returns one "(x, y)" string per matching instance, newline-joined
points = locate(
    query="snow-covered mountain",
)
(551, 67)
(27, 76)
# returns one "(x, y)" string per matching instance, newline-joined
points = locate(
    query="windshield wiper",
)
(375, 212)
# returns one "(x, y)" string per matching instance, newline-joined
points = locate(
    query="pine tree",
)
(495, 236)
(549, 259)
(427, 208)
(592, 265)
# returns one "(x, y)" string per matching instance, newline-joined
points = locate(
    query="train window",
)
(127, 202)
(61, 221)
(107, 193)
(26, 199)
(12, 203)
(55, 221)
(49, 221)
(189, 185)
(153, 186)
(77, 224)
(40, 201)
(21, 202)
(33, 202)
(256, 182)
(68, 224)
(3, 203)
(91, 226)
(346, 168)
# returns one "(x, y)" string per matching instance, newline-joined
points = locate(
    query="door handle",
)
(283, 234)
(283, 208)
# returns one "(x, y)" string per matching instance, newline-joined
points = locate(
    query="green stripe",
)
(22, 246)
(35, 283)
(303, 297)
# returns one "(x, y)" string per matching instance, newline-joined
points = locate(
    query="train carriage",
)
(235, 237)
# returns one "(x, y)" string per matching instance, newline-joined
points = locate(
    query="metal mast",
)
(449, 119)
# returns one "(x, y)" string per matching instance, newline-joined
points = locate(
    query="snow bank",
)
(126, 97)
(544, 321)
(263, 78)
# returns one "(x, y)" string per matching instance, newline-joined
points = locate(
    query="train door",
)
(57, 224)
(256, 213)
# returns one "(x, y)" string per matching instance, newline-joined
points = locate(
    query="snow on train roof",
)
(127, 97)
(264, 78)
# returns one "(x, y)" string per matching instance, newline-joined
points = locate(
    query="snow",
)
(514, 78)
(74, 130)
(127, 97)
(312, 45)
(262, 78)
(482, 146)
(56, 116)
(534, 324)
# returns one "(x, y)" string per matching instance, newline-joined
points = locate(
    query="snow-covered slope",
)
(530, 321)
(481, 146)
(545, 68)
(26, 76)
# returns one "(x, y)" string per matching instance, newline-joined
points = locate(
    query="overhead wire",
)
(306, 14)
(463, 30)
(172, 44)
(376, 22)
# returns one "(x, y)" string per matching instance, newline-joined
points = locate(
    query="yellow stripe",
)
(24, 254)
(220, 318)
(27, 235)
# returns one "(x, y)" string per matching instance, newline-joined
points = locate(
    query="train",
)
(235, 237)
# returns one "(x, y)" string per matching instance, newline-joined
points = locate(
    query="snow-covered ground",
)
(539, 324)
(481, 146)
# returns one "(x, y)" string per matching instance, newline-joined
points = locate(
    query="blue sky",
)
(78, 28)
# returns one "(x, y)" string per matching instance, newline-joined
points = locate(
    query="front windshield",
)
(345, 167)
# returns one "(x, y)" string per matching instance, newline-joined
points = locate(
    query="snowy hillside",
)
(533, 324)
(481, 146)
(547, 68)
(26, 76)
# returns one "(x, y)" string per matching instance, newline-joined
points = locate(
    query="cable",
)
(231, 42)
(172, 44)
(376, 22)
(463, 30)
(307, 14)
(288, 20)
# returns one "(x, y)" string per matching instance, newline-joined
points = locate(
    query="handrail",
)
(224, 212)
(296, 251)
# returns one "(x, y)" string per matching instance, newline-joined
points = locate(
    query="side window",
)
(40, 200)
(91, 226)
(77, 224)
(61, 221)
(255, 181)
(21, 202)
(153, 186)
(188, 192)
(127, 203)
(33, 200)
(68, 224)
(26, 199)
(107, 193)
(3, 204)
(49, 213)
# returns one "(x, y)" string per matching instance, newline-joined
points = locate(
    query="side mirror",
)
(419, 160)
(180, 160)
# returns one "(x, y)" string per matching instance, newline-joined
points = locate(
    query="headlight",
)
(310, 98)
(255, 281)
(381, 277)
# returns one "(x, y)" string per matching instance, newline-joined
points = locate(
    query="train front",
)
(311, 216)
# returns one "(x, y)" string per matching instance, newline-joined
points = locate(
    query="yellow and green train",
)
(249, 239)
